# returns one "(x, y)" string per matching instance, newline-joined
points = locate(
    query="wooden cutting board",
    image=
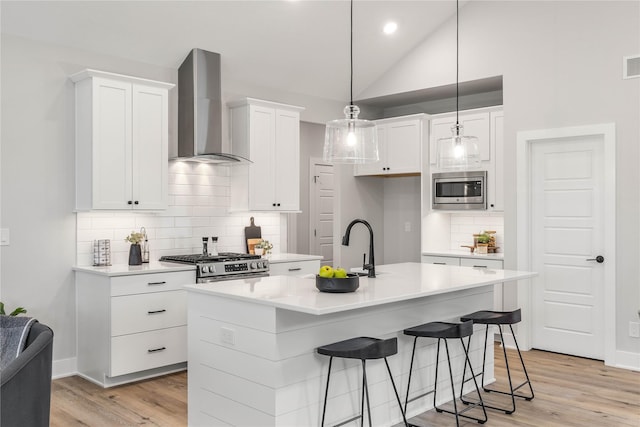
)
(252, 231)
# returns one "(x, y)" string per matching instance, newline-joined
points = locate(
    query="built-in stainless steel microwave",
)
(460, 190)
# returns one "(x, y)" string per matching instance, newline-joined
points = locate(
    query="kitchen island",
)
(251, 345)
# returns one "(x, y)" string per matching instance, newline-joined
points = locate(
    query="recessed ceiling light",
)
(390, 27)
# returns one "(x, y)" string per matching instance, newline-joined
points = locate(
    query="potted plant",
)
(19, 310)
(135, 251)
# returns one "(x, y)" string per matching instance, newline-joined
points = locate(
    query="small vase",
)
(135, 255)
(257, 251)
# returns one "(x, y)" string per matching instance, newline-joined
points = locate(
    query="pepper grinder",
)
(145, 246)
(205, 243)
(214, 246)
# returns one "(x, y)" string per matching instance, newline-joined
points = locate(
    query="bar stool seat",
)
(445, 331)
(486, 317)
(500, 318)
(363, 348)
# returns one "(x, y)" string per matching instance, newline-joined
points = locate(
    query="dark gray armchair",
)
(25, 390)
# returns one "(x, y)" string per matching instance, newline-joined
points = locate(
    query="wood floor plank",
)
(569, 392)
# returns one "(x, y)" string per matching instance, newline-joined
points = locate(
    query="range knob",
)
(204, 269)
(255, 265)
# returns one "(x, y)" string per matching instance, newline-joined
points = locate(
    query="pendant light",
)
(457, 151)
(351, 140)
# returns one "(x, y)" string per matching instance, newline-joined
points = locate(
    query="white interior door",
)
(321, 212)
(567, 234)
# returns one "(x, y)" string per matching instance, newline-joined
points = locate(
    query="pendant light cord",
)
(351, 58)
(457, 64)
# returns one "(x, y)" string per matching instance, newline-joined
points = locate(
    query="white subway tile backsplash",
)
(198, 205)
(464, 226)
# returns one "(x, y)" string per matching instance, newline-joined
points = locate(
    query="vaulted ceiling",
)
(299, 46)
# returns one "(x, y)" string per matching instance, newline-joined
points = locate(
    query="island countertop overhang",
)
(395, 282)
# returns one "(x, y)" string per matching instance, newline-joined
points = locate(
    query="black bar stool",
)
(445, 331)
(500, 318)
(363, 348)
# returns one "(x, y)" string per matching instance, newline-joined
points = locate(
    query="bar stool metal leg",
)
(365, 391)
(444, 331)
(362, 348)
(326, 392)
(512, 390)
(455, 405)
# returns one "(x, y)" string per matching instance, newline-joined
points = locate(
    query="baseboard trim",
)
(627, 360)
(62, 368)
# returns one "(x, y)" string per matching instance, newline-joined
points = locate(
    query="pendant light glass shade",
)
(457, 151)
(351, 140)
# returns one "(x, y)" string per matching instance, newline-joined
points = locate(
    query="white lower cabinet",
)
(131, 327)
(294, 268)
(476, 262)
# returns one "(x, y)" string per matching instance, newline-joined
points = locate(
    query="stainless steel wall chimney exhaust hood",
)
(200, 110)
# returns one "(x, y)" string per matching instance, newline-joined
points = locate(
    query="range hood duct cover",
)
(200, 110)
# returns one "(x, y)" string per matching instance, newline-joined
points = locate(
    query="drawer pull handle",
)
(480, 266)
(155, 350)
(440, 263)
(295, 269)
(156, 283)
(156, 311)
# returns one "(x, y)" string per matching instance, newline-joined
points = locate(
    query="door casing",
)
(525, 139)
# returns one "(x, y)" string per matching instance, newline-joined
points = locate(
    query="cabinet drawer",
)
(148, 350)
(442, 260)
(147, 312)
(294, 268)
(481, 263)
(156, 282)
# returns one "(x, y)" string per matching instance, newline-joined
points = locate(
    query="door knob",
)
(599, 259)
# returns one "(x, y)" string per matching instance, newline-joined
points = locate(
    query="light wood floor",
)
(569, 391)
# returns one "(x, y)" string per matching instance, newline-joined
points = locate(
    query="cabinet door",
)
(150, 147)
(286, 172)
(111, 156)
(375, 168)
(403, 145)
(261, 172)
(496, 180)
(474, 124)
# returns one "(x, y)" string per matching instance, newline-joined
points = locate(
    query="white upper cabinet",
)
(121, 142)
(268, 134)
(399, 146)
(474, 124)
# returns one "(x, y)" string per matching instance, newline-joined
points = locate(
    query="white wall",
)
(561, 64)
(198, 207)
(402, 207)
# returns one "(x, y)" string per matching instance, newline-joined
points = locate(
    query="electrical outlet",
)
(634, 329)
(228, 336)
(407, 226)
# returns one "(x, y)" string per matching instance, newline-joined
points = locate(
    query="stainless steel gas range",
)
(224, 266)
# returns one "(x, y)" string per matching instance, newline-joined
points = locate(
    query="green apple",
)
(340, 273)
(326, 272)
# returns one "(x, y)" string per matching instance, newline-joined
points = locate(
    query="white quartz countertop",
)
(128, 270)
(464, 253)
(394, 282)
(280, 258)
